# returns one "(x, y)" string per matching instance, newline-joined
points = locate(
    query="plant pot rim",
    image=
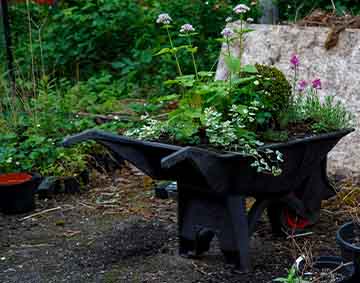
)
(15, 179)
(345, 244)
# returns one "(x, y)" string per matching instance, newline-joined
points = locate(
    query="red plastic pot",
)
(17, 192)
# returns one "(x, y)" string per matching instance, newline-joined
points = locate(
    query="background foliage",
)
(88, 56)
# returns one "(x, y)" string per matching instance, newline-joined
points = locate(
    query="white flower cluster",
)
(227, 33)
(164, 19)
(151, 130)
(187, 28)
(241, 9)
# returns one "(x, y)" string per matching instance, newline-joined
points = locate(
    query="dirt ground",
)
(118, 232)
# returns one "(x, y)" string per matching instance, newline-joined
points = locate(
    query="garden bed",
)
(133, 238)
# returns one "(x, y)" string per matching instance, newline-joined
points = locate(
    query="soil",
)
(118, 232)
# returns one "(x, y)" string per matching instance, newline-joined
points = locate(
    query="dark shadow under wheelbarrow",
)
(212, 187)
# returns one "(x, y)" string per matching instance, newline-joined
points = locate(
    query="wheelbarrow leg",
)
(237, 211)
(186, 246)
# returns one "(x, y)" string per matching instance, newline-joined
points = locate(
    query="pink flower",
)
(316, 84)
(294, 61)
(302, 85)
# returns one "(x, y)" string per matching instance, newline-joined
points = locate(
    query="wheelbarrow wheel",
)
(285, 221)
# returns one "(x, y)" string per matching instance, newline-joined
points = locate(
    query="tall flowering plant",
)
(219, 113)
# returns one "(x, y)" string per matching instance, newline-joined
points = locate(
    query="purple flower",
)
(228, 19)
(187, 28)
(316, 84)
(302, 85)
(227, 32)
(294, 61)
(164, 19)
(241, 9)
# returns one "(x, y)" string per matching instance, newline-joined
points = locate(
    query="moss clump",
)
(276, 88)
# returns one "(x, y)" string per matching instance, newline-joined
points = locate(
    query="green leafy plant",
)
(292, 277)
(33, 128)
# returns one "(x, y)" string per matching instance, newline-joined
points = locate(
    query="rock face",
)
(338, 68)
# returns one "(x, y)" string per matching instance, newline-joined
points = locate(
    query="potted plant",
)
(254, 134)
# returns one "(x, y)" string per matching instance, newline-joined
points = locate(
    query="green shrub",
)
(276, 88)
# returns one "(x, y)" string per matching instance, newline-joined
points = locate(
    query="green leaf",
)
(167, 98)
(117, 65)
(239, 81)
(251, 69)
(205, 74)
(163, 51)
(193, 49)
(233, 63)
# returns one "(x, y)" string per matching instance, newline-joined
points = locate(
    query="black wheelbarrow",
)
(213, 187)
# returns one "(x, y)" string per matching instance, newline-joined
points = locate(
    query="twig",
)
(40, 213)
(86, 205)
(332, 271)
(299, 235)
(112, 117)
(34, 246)
(198, 269)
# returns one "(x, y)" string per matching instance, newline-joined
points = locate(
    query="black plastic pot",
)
(350, 252)
(329, 263)
(17, 192)
(212, 186)
(52, 186)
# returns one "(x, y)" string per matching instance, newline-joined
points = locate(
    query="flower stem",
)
(241, 40)
(172, 47)
(193, 59)
(229, 54)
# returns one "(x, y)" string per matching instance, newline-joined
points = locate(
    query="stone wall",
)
(338, 68)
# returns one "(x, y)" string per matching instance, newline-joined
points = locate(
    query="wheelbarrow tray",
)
(221, 173)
